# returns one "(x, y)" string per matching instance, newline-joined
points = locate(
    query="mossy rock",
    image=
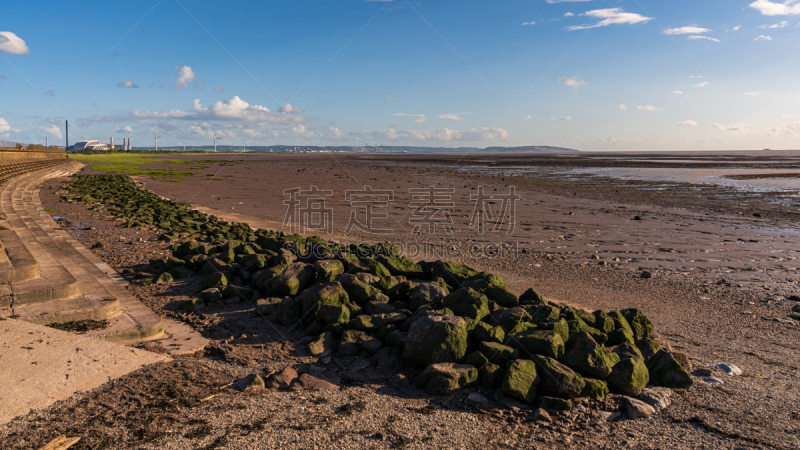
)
(426, 293)
(508, 318)
(556, 404)
(466, 302)
(211, 295)
(594, 388)
(531, 298)
(648, 347)
(179, 272)
(433, 338)
(332, 294)
(476, 358)
(620, 336)
(358, 290)
(538, 342)
(446, 378)
(521, 380)
(192, 304)
(640, 325)
(482, 331)
(603, 322)
(215, 279)
(294, 279)
(323, 345)
(629, 377)
(561, 327)
(491, 375)
(666, 370)
(402, 266)
(558, 379)
(386, 283)
(288, 311)
(627, 351)
(545, 314)
(498, 353)
(452, 273)
(588, 357)
(493, 287)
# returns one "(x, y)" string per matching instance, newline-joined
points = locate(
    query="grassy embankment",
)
(141, 164)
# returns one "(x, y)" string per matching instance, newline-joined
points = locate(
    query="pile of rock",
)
(460, 326)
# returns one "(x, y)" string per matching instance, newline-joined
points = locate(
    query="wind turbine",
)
(156, 138)
(215, 140)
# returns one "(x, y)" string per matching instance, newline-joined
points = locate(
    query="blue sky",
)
(591, 74)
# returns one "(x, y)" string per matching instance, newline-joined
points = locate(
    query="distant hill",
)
(378, 149)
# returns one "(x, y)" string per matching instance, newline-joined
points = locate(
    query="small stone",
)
(637, 409)
(658, 398)
(310, 382)
(645, 274)
(712, 380)
(612, 417)
(477, 399)
(730, 369)
(251, 381)
(540, 415)
(282, 379)
(796, 308)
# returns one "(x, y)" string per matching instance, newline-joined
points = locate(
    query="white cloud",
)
(611, 16)
(695, 38)
(449, 116)
(573, 81)
(124, 129)
(737, 127)
(676, 92)
(752, 93)
(289, 108)
(53, 131)
(127, 84)
(11, 43)
(775, 26)
(695, 76)
(648, 108)
(564, 118)
(528, 117)
(4, 126)
(183, 77)
(762, 37)
(686, 30)
(441, 134)
(701, 84)
(569, 14)
(623, 107)
(420, 118)
(525, 24)
(219, 89)
(687, 123)
(769, 8)
(737, 28)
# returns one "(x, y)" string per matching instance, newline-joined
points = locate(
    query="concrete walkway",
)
(40, 365)
(47, 277)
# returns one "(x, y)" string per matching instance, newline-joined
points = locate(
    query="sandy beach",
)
(715, 272)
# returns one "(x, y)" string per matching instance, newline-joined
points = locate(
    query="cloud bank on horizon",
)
(394, 72)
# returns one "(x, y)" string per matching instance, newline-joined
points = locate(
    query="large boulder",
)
(446, 378)
(545, 313)
(629, 377)
(603, 322)
(313, 298)
(493, 287)
(521, 380)
(425, 294)
(436, 338)
(483, 332)
(531, 298)
(288, 311)
(357, 290)
(594, 388)
(508, 318)
(452, 273)
(538, 342)
(328, 269)
(639, 323)
(375, 322)
(296, 278)
(558, 379)
(588, 357)
(466, 302)
(666, 370)
(498, 353)
(401, 266)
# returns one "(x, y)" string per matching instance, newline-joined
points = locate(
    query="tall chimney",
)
(67, 146)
